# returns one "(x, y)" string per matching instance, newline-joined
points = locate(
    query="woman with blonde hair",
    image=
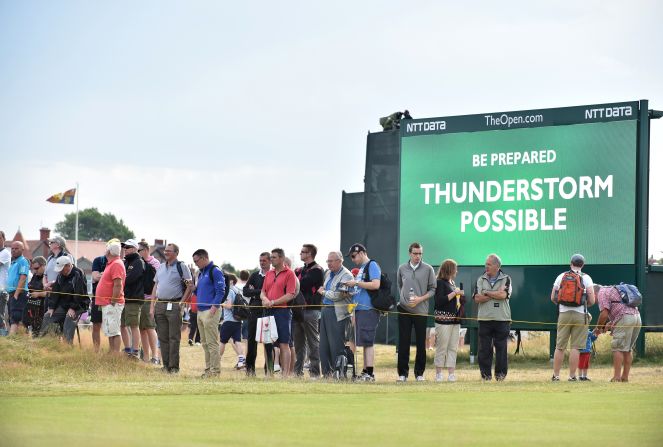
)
(449, 309)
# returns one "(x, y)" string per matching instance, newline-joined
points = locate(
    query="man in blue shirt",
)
(17, 286)
(209, 292)
(366, 317)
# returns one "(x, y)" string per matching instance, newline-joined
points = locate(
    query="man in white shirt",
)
(572, 324)
(5, 260)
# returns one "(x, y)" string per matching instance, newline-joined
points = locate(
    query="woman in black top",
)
(449, 309)
(36, 308)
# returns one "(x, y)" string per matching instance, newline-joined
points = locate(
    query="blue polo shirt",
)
(19, 266)
(325, 300)
(210, 294)
(362, 298)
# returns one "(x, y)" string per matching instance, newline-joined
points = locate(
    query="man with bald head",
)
(17, 286)
(492, 294)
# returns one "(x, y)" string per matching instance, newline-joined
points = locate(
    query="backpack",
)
(571, 290)
(185, 282)
(148, 277)
(630, 294)
(381, 298)
(241, 309)
(226, 279)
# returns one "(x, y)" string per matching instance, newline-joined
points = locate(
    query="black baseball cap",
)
(356, 248)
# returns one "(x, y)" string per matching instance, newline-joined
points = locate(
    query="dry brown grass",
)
(48, 363)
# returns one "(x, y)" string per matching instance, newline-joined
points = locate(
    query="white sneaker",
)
(277, 368)
(401, 379)
(421, 379)
(366, 377)
(452, 378)
(439, 377)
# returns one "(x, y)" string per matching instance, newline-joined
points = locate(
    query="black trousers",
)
(405, 324)
(493, 334)
(252, 349)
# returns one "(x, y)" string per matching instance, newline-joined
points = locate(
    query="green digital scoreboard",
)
(532, 186)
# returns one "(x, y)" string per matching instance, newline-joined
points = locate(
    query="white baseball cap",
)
(61, 262)
(130, 243)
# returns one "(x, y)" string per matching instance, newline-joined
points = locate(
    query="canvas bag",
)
(266, 331)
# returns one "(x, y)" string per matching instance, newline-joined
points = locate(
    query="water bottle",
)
(411, 294)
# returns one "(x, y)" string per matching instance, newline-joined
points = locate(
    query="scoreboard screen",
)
(532, 186)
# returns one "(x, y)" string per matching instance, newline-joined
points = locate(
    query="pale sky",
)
(235, 126)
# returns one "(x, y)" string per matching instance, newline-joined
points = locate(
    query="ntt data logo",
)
(426, 126)
(608, 112)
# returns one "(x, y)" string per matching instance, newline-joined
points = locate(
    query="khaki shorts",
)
(571, 326)
(146, 321)
(131, 314)
(625, 333)
(110, 319)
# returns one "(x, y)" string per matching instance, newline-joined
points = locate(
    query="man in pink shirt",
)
(625, 323)
(110, 294)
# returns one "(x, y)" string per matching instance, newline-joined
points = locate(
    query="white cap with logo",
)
(61, 262)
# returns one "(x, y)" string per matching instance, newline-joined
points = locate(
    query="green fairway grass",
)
(516, 416)
(52, 394)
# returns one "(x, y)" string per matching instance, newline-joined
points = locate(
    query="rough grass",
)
(51, 393)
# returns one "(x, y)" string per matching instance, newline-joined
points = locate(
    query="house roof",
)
(86, 249)
(19, 237)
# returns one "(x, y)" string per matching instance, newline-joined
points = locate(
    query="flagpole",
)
(76, 231)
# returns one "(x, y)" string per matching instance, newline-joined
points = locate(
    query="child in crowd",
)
(231, 328)
(583, 362)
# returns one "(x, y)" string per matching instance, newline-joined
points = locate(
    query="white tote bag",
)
(266, 331)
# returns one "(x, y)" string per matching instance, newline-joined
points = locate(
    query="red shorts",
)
(583, 362)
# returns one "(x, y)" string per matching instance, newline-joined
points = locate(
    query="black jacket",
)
(311, 277)
(253, 295)
(70, 292)
(133, 284)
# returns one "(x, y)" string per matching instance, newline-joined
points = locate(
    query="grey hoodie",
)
(422, 281)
